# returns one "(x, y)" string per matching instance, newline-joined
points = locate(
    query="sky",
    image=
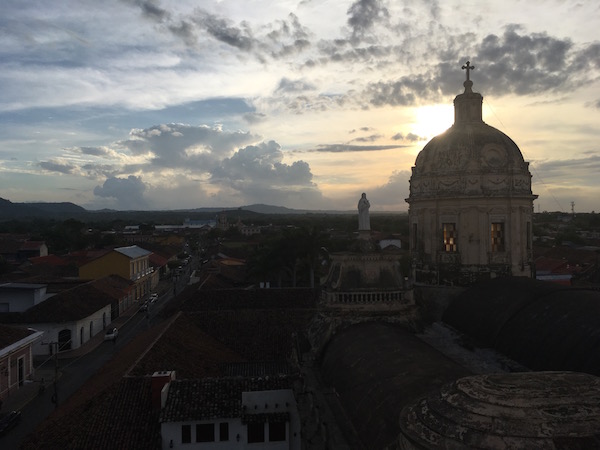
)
(176, 104)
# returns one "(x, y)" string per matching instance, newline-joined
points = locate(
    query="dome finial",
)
(468, 84)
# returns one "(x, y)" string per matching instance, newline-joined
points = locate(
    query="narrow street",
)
(75, 372)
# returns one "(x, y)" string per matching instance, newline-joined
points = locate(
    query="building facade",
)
(131, 263)
(470, 202)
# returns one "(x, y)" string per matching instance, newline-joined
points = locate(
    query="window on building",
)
(186, 434)
(449, 233)
(256, 432)
(277, 431)
(205, 432)
(223, 431)
(497, 234)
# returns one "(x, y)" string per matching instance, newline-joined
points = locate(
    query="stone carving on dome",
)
(494, 155)
(495, 183)
(453, 158)
(473, 185)
(522, 183)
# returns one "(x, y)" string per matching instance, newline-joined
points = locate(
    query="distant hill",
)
(10, 210)
(67, 210)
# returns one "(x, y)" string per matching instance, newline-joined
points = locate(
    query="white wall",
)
(285, 401)
(52, 329)
(20, 299)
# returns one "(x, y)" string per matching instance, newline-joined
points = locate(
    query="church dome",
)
(471, 158)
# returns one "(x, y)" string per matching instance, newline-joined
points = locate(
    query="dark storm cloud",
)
(364, 14)
(55, 166)
(514, 62)
(223, 30)
(128, 192)
(524, 64)
(150, 9)
(342, 148)
(403, 92)
(185, 31)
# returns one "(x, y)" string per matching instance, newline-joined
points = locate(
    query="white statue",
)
(364, 222)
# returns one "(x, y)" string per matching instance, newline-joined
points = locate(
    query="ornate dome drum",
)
(470, 202)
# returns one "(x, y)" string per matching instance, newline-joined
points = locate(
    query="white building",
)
(228, 413)
(19, 297)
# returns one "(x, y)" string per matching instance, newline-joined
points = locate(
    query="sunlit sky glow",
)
(156, 104)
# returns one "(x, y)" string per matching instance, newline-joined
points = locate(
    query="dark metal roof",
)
(376, 369)
(541, 325)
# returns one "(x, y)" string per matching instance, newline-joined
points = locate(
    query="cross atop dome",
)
(468, 84)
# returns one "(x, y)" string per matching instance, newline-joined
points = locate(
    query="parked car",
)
(111, 335)
(153, 297)
(9, 421)
(144, 307)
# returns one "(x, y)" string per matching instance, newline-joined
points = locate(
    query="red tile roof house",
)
(16, 364)
(72, 317)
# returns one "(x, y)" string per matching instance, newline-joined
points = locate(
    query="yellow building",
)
(131, 263)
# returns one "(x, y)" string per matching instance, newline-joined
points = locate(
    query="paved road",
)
(75, 372)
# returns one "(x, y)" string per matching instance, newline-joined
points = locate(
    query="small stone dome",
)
(471, 158)
(530, 410)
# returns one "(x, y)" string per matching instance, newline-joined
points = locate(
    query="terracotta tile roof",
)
(9, 335)
(114, 285)
(51, 259)
(213, 398)
(82, 257)
(32, 245)
(172, 352)
(121, 418)
(256, 335)
(220, 299)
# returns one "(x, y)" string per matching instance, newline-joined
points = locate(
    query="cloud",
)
(185, 146)
(371, 138)
(410, 137)
(577, 171)
(286, 85)
(391, 195)
(93, 151)
(57, 166)
(257, 174)
(128, 192)
(342, 148)
(254, 117)
(363, 15)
